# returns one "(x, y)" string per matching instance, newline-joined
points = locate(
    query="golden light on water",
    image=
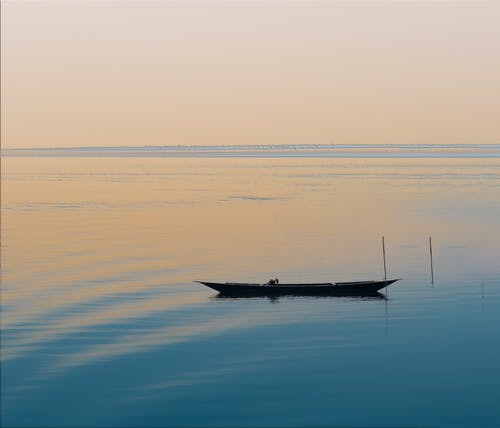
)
(120, 216)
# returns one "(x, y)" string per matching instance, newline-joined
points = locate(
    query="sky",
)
(116, 73)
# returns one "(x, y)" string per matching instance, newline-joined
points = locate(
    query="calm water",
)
(102, 325)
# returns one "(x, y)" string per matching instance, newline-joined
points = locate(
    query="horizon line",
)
(331, 146)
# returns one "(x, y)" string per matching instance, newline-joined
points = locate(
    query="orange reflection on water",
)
(77, 231)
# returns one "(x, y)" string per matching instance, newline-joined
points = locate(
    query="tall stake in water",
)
(432, 267)
(385, 267)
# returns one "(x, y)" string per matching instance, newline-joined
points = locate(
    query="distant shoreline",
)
(303, 150)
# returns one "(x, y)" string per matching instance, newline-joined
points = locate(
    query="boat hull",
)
(362, 288)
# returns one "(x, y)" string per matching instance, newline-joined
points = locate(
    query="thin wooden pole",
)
(432, 264)
(385, 266)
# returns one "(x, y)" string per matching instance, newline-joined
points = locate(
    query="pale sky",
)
(197, 73)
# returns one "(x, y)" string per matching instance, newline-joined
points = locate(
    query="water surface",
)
(102, 325)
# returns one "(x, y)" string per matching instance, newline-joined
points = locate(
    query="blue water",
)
(102, 325)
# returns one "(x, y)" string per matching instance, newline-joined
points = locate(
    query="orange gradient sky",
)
(202, 73)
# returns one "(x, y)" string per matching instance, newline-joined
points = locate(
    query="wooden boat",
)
(241, 289)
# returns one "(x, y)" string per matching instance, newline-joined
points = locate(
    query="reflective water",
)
(102, 325)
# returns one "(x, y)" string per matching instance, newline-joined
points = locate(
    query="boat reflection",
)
(294, 296)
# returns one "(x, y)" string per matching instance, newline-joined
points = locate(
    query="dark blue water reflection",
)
(424, 357)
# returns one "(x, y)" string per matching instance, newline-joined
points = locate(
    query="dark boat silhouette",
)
(242, 289)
